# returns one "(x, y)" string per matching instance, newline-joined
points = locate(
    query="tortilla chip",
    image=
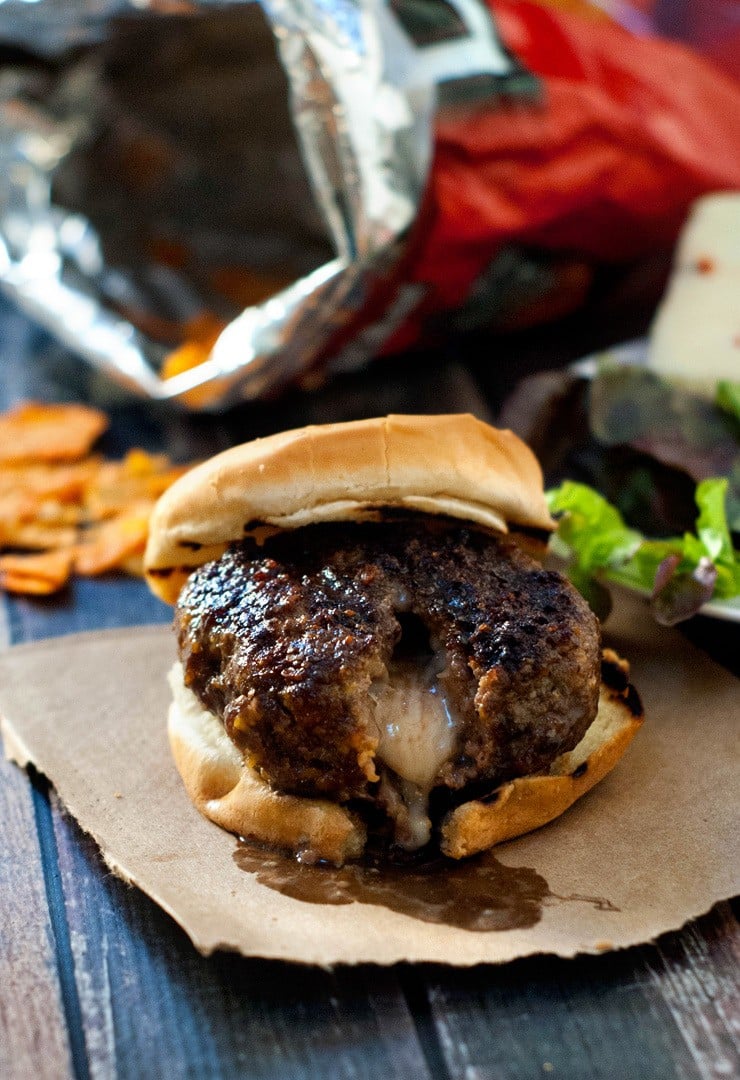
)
(62, 482)
(28, 521)
(36, 535)
(36, 432)
(118, 484)
(109, 545)
(17, 506)
(37, 575)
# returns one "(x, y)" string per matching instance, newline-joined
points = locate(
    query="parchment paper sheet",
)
(658, 838)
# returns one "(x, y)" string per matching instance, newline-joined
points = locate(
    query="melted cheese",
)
(416, 735)
(415, 726)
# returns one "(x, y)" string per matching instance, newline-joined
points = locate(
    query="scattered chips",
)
(64, 510)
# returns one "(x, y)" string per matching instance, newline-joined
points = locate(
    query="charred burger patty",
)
(379, 662)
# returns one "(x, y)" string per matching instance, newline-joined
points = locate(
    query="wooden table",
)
(96, 981)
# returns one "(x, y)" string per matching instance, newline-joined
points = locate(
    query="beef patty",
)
(314, 650)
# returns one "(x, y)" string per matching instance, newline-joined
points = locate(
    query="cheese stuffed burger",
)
(369, 658)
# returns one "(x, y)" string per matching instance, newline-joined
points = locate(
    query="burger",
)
(371, 657)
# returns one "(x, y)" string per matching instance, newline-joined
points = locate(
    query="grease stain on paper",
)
(478, 894)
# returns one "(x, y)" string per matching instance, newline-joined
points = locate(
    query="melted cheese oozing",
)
(416, 735)
(415, 726)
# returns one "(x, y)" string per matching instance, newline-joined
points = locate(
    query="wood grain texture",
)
(33, 1030)
(660, 1012)
(696, 974)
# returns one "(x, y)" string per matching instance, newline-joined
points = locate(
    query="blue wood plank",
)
(657, 1012)
(88, 604)
(34, 1037)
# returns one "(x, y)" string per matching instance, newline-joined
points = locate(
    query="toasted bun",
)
(231, 794)
(228, 792)
(453, 465)
(531, 801)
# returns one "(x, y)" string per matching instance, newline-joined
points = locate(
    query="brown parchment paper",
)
(658, 838)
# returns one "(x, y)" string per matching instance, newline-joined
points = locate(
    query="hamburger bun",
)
(452, 465)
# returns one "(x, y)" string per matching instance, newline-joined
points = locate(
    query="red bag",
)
(629, 132)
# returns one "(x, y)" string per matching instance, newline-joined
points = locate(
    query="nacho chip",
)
(36, 432)
(36, 536)
(17, 506)
(30, 522)
(109, 545)
(36, 575)
(118, 484)
(63, 482)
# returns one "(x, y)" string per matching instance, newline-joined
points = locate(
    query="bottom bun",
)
(234, 796)
(524, 804)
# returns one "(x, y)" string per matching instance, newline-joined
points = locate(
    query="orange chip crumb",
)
(36, 432)
(37, 575)
(186, 357)
(201, 334)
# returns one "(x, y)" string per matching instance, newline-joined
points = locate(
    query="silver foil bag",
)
(234, 177)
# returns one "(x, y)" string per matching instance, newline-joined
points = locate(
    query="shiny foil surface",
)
(238, 175)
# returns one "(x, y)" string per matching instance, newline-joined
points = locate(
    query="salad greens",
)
(629, 405)
(679, 574)
(728, 397)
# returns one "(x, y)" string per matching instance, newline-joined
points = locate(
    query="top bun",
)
(453, 465)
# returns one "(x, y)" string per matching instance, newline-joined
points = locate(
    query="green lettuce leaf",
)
(591, 527)
(679, 574)
(728, 397)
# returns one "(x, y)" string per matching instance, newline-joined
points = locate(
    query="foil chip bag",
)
(211, 202)
(200, 199)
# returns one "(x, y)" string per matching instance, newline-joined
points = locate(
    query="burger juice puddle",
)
(478, 894)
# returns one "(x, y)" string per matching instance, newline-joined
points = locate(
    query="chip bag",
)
(472, 165)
